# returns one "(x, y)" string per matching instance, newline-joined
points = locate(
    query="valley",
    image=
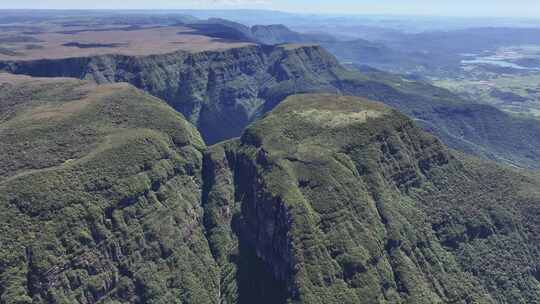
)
(508, 78)
(222, 91)
(325, 199)
(183, 157)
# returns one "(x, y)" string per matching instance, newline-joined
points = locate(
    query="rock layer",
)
(100, 198)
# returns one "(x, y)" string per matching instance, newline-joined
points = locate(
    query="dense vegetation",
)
(99, 198)
(349, 202)
(110, 195)
(221, 92)
(107, 195)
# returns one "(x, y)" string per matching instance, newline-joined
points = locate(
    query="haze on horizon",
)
(457, 8)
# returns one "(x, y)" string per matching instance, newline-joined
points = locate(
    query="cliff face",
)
(108, 195)
(99, 197)
(346, 201)
(221, 92)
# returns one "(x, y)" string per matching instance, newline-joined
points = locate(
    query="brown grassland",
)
(57, 43)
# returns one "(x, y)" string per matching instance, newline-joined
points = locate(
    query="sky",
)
(467, 8)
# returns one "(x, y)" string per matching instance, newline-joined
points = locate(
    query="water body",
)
(500, 63)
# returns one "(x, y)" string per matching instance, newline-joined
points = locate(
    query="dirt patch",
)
(20, 79)
(334, 119)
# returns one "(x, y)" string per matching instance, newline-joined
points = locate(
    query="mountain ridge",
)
(325, 199)
(312, 203)
(221, 92)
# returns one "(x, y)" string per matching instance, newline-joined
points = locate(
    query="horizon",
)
(276, 11)
(529, 9)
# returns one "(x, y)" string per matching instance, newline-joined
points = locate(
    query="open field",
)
(14, 79)
(55, 42)
(518, 93)
(508, 78)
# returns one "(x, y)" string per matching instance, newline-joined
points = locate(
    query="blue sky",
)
(495, 8)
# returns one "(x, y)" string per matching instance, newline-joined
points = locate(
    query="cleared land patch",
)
(333, 119)
(517, 94)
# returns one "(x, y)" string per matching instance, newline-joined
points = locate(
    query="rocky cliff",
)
(107, 195)
(221, 92)
(347, 201)
(99, 197)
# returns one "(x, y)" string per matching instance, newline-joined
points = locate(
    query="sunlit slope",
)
(223, 91)
(107, 195)
(99, 197)
(347, 201)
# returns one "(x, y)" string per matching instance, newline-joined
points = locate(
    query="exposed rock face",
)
(221, 92)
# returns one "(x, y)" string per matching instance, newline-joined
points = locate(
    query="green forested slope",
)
(348, 202)
(99, 198)
(221, 92)
(107, 195)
